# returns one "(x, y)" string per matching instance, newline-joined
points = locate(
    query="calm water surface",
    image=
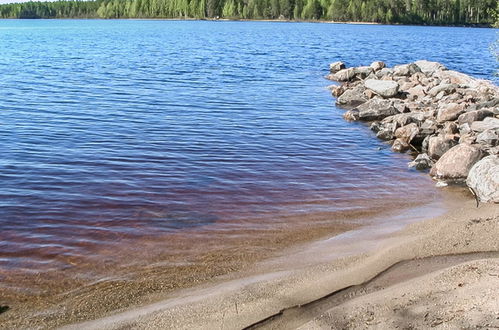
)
(113, 130)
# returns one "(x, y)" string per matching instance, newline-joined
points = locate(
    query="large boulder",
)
(456, 163)
(483, 178)
(428, 67)
(489, 123)
(406, 69)
(344, 75)
(352, 97)
(384, 88)
(439, 145)
(376, 109)
(362, 72)
(488, 138)
(471, 116)
(336, 66)
(450, 112)
(445, 88)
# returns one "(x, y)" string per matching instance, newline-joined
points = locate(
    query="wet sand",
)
(309, 273)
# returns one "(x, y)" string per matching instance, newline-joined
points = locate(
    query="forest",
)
(430, 12)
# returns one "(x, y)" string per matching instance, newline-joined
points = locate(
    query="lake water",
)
(131, 131)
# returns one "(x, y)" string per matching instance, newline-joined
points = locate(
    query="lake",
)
(131, 142)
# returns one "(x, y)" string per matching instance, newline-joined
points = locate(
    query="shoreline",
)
(308, 273)
(478, 26)
(159, 278)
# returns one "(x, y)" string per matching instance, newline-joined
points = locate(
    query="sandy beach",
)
(438, 272)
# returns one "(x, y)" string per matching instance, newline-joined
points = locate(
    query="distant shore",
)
(256, 20)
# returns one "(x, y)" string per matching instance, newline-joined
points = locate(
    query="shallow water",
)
(129, 131)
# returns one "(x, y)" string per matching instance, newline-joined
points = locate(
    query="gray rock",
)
(384, 88)
(406, 69)
(385, 72)
(344, 75)
(450, 112)
(483, 178)
(336, 66)
(488, 137)
(429, 127)
(400, 145)
(422, 162)
(362, 72)
(439, 145)
(445, 89)
(387, 132)
(352, 97)
(376, 109)
(471, 116)
(489, 123)
(456, 163)
(428, 67)
(378, 65)
(464, 129)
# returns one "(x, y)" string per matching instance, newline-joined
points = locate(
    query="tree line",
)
(435, 12)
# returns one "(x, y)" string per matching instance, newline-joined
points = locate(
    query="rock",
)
(488, 137)
(400, 145)
(450, 112)
(471, 116)
(378, 65)
(458, 78)
(456, 162)
(387, 132)
(443, 88)
(464, 129)
(416, 91)
(362, 72)
(352, 97)
(429, 127)
(344, 75)
(384, 88)
(439, 145)
(369, 93)
(384, 73)
(467, 138)
(407, 133)
(483, 178)
(489, 123)
(375, 126)
(428, 67)
(351, 115)
(406, 69)
(422, 162)
(376, 109)
(336, 66)
(450, 127)
(337, 91)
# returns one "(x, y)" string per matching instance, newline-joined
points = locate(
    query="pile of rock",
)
(449, 118)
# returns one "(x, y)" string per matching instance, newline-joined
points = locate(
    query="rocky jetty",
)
(451, 120)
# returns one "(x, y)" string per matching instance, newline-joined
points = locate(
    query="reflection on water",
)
(118, 135)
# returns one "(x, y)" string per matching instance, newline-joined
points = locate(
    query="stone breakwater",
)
(449, 118)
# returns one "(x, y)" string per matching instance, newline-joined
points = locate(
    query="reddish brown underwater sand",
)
(148, 269)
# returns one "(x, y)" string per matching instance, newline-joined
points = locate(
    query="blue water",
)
(141, 128)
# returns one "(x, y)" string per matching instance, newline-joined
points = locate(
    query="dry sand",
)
(351, 281)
